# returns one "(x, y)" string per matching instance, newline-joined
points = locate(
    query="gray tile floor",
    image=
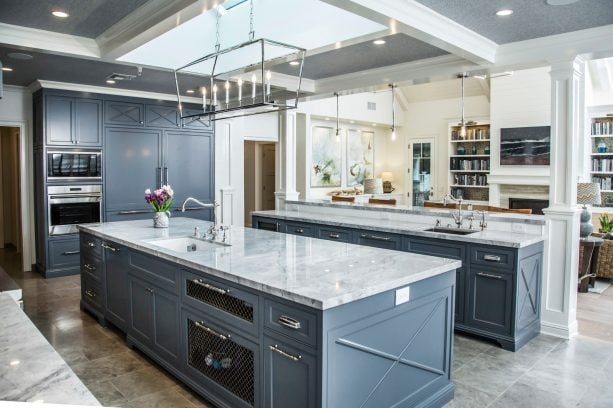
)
(547, 372)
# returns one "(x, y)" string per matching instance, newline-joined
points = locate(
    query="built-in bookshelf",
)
(469, 162)
(601, 169)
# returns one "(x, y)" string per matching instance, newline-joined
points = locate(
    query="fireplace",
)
(536, 205)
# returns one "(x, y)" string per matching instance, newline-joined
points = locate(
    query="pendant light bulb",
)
(463, 131)
(338, 130)
(393, 137)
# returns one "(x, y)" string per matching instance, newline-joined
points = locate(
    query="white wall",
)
(430, 119)
(519, 100)
(16, 110)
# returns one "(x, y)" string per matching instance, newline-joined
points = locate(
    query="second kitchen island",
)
(276, 320)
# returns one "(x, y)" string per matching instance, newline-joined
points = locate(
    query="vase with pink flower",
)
(161, 201)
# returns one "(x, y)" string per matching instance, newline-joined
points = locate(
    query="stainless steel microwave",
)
(71, 164)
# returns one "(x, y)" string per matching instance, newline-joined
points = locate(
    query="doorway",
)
(260, 177)
(422, 181)
(10, 196)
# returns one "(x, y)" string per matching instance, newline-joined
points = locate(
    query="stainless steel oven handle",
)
(85, 195)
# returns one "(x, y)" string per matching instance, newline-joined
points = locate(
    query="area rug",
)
(600, 286)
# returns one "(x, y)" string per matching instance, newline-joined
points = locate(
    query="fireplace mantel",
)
(518, 180)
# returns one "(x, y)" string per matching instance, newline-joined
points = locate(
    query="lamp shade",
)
(387, 176)
(588, 193)
(373, 186)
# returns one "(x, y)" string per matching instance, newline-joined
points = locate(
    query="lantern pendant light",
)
(462, 123)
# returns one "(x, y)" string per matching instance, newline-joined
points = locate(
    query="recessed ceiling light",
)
(190, 91)
(110, 81)
(374, 124)
(560, 2)
(59, 13)
(504, 12)
(379, 42)
(327, 118)
(20, 56)
(7, 69)
(294, 63)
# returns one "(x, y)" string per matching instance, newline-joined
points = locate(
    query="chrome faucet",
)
(215, 230)
(457, 218)
(482, 223)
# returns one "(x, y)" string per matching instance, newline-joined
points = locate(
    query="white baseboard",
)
(558, 330)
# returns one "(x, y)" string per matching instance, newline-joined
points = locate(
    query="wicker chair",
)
(604, 266)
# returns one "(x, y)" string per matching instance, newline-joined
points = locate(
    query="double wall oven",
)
(69, 200)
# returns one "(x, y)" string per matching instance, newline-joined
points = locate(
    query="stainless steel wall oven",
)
(69, 205)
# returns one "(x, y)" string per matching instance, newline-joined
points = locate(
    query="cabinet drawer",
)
(334, 234)
(377, 239)
(91, 292)
(446, 249)
(92, 265)
(155, 271)
(296, 228)
(221, 300)
(268, 224)
(294, 322)
(90, 245)
(492, 257)
(64, 254)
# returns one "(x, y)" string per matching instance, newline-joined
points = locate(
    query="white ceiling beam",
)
(55, 43)
(437, 68)
(592, 43)
(149, 21)
(414, 19)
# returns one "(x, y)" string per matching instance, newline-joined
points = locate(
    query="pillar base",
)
(282, 196)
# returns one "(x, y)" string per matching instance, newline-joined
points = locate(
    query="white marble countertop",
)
(485, 237)
(533, 219)
(30, 369)
(317, 273)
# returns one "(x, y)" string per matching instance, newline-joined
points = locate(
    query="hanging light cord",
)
(251, 30)
(217, 34)
(393, 109)
(463, 76)
(337, 115)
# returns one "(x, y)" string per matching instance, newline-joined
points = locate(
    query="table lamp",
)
(587, 193)
(387, 177)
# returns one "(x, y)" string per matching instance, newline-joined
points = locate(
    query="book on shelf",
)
(602, 128)
(602, 164)
(605, 183)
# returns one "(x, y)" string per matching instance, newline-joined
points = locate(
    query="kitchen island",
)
(277, 320)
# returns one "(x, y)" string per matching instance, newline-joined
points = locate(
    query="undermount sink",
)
(184, 244)
(447, 230)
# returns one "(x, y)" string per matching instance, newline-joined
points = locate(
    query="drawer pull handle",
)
(288, 322)
(70, 252)
(211, 287)
(489, 275)
(109, 247)
(491, 258)
(91, 244)
(299, 231)
(276, 349)
(375, 237)
(89, 267)
(335, 236)
(90, 293)
(201, 326)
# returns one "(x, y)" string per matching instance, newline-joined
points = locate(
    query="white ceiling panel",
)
(306, 23)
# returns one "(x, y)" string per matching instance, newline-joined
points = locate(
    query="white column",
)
(286, 153)
(559, 300)
(223, 172)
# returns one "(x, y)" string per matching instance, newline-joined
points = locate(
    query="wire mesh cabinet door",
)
(223, 362)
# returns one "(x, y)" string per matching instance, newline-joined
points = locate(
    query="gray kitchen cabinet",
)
(331, 233)
(202, 124)
(122, 113)
(490, 304)
(268, 224)
(298, 228)
(62, 255)
(154, 319)
(188, 165)
(161, 116)
(116, 284)
(447, 249)
(377, 239)
(290, 373)
(73, 121)
(132, 162)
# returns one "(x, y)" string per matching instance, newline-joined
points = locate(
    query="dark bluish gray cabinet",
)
(133, 163)
(290, 374)
(161, 116)
(116, 284)
(497, 290)
(154, 318)
(123, 113)
(73, 121)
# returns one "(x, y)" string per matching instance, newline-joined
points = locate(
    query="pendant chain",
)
(251, 30)
(217, 34)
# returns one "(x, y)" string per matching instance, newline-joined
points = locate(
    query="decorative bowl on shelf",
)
(461, 150)
(602, 147)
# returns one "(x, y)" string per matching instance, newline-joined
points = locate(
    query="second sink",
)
(183, 244)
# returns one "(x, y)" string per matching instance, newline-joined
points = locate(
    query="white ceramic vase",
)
(161, 219)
